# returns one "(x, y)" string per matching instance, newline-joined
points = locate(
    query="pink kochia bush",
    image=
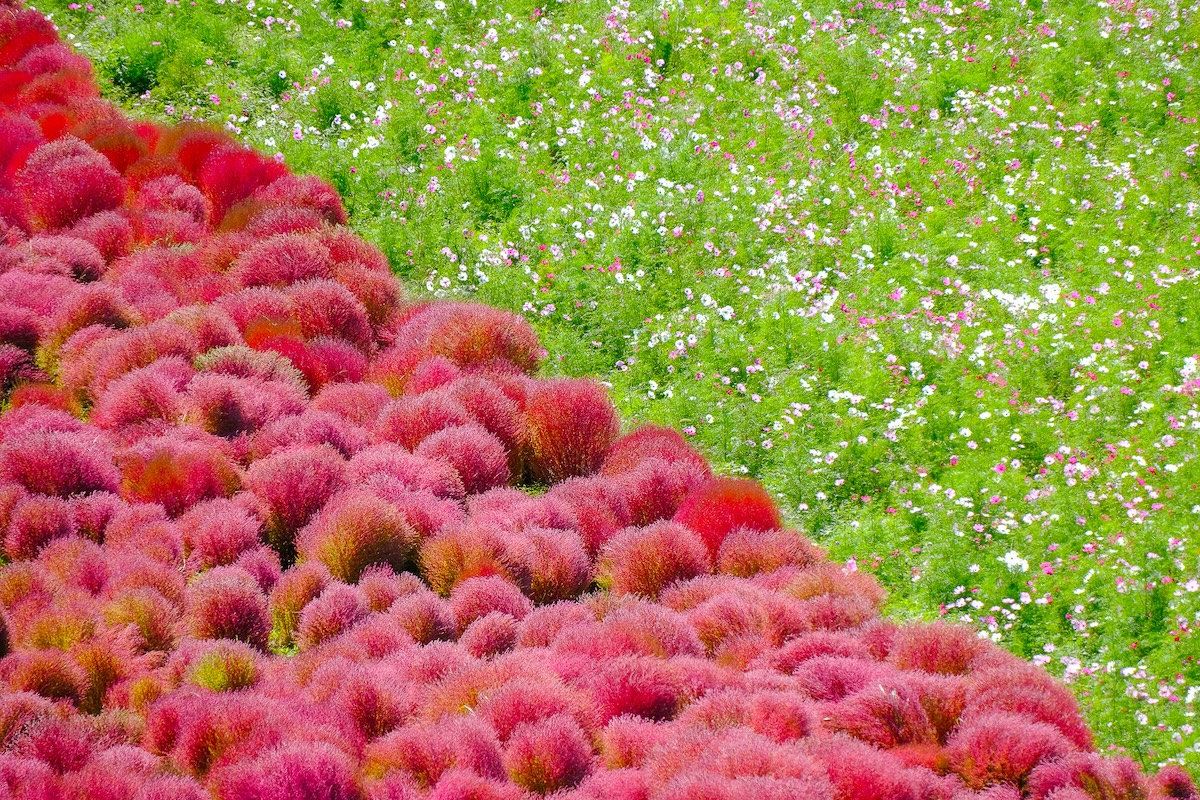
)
(571, 426)
(316, 541)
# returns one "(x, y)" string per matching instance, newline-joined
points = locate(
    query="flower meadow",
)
(925, 269)
(274, 528)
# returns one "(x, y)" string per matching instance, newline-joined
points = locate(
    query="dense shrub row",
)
(264, 536)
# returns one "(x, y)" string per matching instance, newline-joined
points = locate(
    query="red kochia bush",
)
(439, 478)
(475, 597)
(490, 635)
(111, 232)
(427, 513)
(231, 174)
(426, 751)
(423, 616)
(97, 355)
(939, 647)
(292, 485)
(294, 590)
(242, 362)
(548, 755)
(491, 408)
(831, 678)
(205, 731)
(779, 715)
(514, 510)
(148, 612)
(271, 221)
(465, 552)
(150, 394)
(571, 423)
(66, 744)
(632, 627)
(146, 530)
(599, 506)
(724, 504)
(306, 192)
(554, 564)
(36, 521)
(323, 360)
(177, 472)
(655, 489)
(40, 292)
(59, 464)
(216, 532)
(49, 673)
(647, 560)
(651, 441)
(642, 686)
(353, 531)
(173, 193)
(383, 586)
(226, 603)
(81, 258)
(18, 327)
(65, 181)
(886, 716)
(283, 260)
(627, 741)
(302, 770)
(21, 136)
(333, 611)
(857, 770)
(232, 407)
(1000, 747)
(1018, 688)
(357, 403)
(1095, 777)
(746, 552)
(525, 701)
(470, 336)
(326, 308)
(410, 420)
(374, 697)
(257, 306)
(477, 456)
(462, 784)
(429, 374)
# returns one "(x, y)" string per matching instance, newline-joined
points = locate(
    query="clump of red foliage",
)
(286, 556)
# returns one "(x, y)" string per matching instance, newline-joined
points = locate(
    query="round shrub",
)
(650, 441)
(548, 755)
(477, 597)
(571, 424)
(646, 560)
(227, 603)
(410, 420)
(332, 612)
(34, 522)
(292, 486)
(723, 505)
(65, 180)
(354, 530)
(59, 464)
(295, 589)
(177, 472)
(215, 532)
(477, 456)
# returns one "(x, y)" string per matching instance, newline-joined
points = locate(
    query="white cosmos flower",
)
(1012, 559)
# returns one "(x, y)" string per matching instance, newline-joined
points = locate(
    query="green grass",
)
(824, 240)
